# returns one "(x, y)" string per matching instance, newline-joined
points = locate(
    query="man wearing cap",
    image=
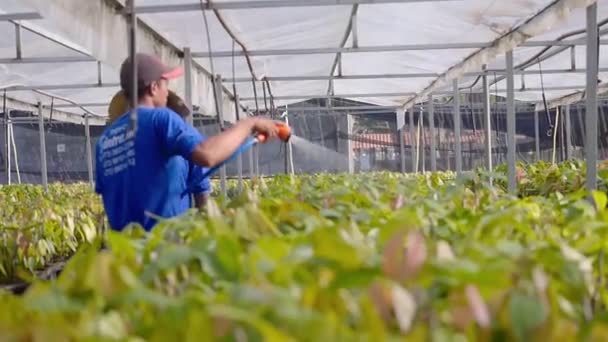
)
(199, 187)
(143, 174)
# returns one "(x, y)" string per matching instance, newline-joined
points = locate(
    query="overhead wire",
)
(265, 99)
(271, 98)
(236, 104)
(236, 40)
(542, 86)
(255, 95)
(213, 80)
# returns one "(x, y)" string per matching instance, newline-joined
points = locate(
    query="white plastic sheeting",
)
(96, 28)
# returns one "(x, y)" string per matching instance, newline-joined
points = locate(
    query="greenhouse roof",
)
(385, 52)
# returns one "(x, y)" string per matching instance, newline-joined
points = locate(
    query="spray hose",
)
(284, 135)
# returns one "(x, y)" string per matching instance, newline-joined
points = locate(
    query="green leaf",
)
(121, 245)
(331, 214)
(355, 279)
(329, 246)
(228, 254)
(47, 301)
(526, 313)
(510, 248)
(169, 258)
(600, 200)
(269, 333)
(148, 296)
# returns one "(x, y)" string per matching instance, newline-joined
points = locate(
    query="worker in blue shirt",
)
(199, 189)
(142, 175)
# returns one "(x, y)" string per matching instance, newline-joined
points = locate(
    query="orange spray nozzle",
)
(284, 133)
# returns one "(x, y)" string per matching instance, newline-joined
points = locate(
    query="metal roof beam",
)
(20, 16)
(406, 94)
(243, 5)
(51, 37)
(347, 108)
(50, 60)
(407, 75)
(63, 86)
(369, 95)
(70, 105)
(386, 48)
(290, 97)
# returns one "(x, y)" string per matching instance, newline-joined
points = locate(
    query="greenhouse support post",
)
(412, 139)
(251, 163)
(239, 158)
(89, 151)
(400, 136)
(568, 132)
(432, 133)
(457, 121)
(418, 139)
(555, 134)
(423, 145)
(220, 118)
(15, 153)
(591, 123)
(6, 146)
(188, 83)
(256, 160)
(9, 132)
(286, 154)
(43, 169)
(487, 120)
(349, 144)
(289, 169)
(537, 134)
(132, 31)
(562, 132)
(511, 123)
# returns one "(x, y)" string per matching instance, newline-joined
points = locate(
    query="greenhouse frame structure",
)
(500, 41)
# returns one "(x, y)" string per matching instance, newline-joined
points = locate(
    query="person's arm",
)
(220, 147)
(182, 139)
(201, 200)
(199, 187)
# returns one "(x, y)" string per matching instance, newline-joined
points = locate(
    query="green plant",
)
(373, 257)
(38, 228)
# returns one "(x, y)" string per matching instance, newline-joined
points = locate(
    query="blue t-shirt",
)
(150, 172)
